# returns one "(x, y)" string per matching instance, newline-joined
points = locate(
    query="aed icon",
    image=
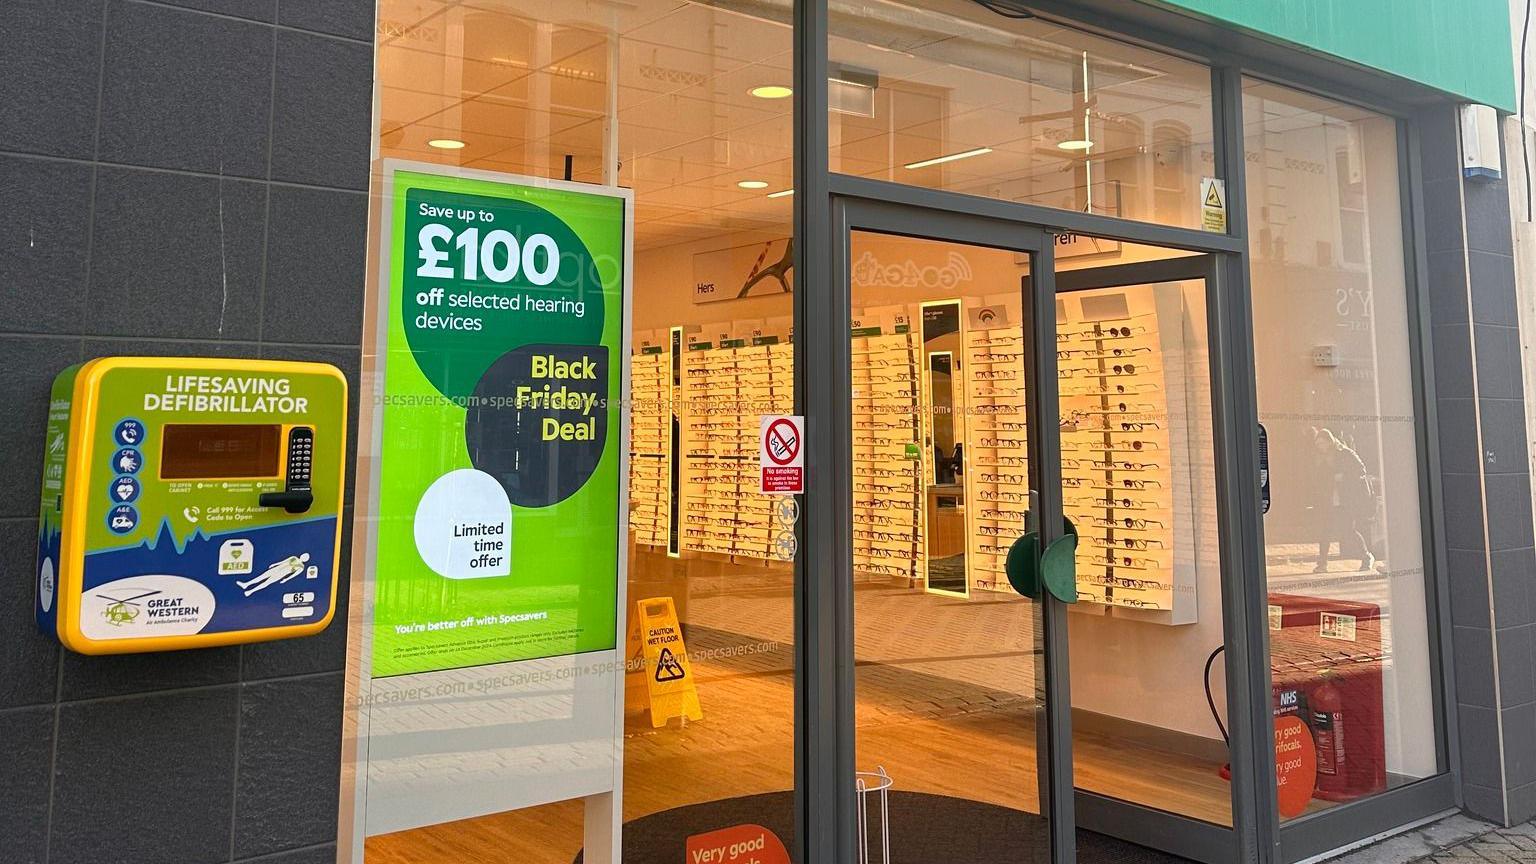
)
(177, 491)
(236, 558)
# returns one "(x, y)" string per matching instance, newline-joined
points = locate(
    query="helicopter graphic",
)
(122, 611)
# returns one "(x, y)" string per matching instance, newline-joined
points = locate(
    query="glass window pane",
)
(688, 106)
(1349, 637)
(1139, 469)
(953, 96)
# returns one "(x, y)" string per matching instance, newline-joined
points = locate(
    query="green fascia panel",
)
(1460, 46)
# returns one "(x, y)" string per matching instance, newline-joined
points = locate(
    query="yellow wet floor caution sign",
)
(655, 653)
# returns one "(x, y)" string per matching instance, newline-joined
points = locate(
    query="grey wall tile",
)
(256, 10)
(1517, 672)
(1453, 360)
(1487, 217)
(1503, 428)
(26, 751)
(205, 80)
(44, 229)
(1509, 511)
(1484, 801)
(323, 111)
(1514, 587)
(176, 255)
(326, 651)
(165, 348)
(1522, 803)
(48, 76)
(1473, 647)
(324, 854)
(350, 18)
(290, 758)
(1463, 497)
(145, 780)
(1519, 744)
(1468, 580)
(1492, 278)
(1478, 730)
(1447, 278)
(1442, 220)
(29, 661)
(1459, 444)
(31, 364)
(315, 266)
(1440, 143)
(1498, 362)
(89, 677)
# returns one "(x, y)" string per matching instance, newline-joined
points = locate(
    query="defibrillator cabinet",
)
(190, 502)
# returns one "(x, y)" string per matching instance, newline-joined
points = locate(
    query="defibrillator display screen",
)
(220, 451)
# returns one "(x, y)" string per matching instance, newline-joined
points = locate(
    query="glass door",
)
(957, 723)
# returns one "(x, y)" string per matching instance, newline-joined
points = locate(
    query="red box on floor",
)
(1326, 660)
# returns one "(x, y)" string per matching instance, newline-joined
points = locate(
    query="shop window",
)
(689, 107)
(958, 97)
(1350, 648)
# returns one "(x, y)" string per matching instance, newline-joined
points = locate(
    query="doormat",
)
(925, 829)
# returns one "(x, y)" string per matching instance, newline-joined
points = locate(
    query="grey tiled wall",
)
(1485, 476)
(178, 177)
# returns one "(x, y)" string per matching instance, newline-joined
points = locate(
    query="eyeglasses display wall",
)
(650, 442)
(1116, 466)
(726, 390)
(997, 447)
(888, 488)
(1117, 462)
(1119, 441)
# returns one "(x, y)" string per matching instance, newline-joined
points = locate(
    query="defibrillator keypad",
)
(297, 494)
(301, 447)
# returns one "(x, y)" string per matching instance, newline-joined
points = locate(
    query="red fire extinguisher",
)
(1326, 706)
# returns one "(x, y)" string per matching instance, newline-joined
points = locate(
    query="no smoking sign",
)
(782, 454)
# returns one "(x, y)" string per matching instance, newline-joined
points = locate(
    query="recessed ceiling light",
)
(965, 154)
(772, 91)
(753, 184)
(446, 143)
(782, 193)
(1076, 144)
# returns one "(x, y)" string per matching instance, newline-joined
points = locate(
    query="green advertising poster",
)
(498, 479)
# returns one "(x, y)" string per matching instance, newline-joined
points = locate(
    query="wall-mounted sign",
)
(755, 270)
(1070, 245)
(1213, 204)
(782, 456)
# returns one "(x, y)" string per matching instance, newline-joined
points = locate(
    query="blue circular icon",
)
(124, 490)
(122, 519)
(129, 432)
(127, 461)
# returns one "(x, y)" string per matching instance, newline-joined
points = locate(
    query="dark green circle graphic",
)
(538, 420)
(482, 275)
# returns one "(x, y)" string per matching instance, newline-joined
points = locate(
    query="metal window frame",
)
(823, 616)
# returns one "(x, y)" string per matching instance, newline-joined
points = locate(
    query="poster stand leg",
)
(601, 830)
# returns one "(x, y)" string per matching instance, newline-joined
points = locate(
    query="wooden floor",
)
(743, 747)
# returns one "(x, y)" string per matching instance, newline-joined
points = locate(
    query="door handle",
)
(1032, 572)
(1023, 565)
(1058, 565)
